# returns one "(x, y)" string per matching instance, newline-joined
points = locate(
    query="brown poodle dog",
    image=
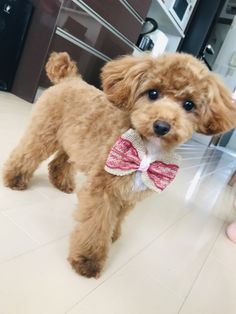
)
(163, 99)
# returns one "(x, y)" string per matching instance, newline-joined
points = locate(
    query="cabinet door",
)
(140, 6)
(13, 16)
(200, 26)
(116, 14)
(35, 48)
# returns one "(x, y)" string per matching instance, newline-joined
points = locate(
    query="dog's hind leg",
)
(61, 172)
(37, 144)
(24, 160)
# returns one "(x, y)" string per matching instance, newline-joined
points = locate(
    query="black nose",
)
(161, 127)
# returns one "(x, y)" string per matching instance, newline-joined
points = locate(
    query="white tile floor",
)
(173, 256)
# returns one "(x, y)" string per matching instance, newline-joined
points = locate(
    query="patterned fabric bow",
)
(128, 156)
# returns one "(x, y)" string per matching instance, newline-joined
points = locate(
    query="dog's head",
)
(169, 97)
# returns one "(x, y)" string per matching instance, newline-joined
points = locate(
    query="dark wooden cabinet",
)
(87, 41)
(74, 20)
(116, 14)
(35, 49)
(88, 64)
(91, 31)
(140, 6)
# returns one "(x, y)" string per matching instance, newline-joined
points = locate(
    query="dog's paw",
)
(15, 182)
(61, 180)
(66, 188)
(86, 266)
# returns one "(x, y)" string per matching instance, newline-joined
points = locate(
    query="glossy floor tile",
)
(173, 256)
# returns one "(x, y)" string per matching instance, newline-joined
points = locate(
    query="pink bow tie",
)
(128, 156)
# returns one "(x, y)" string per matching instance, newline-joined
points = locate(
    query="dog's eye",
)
(188, 105)
(153, 94)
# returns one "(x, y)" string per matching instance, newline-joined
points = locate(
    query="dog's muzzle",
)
(161, 128)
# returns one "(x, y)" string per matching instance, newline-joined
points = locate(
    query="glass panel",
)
(180, 7)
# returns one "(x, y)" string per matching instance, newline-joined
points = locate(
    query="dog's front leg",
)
(91, 239)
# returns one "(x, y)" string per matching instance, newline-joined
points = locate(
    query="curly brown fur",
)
(82, 123)
(61, 173)
(60, 66)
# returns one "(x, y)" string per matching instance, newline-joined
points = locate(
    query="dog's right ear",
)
(122, 77)
(220, 114)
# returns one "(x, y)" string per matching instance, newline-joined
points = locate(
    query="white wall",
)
(221, 64)
(228, 73)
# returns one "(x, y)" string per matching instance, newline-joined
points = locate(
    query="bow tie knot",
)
(144, 164)
(128, 155)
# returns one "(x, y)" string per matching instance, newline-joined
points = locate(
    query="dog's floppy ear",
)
(122, 77)
(221, 113)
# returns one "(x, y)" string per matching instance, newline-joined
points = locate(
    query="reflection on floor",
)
(173, 256)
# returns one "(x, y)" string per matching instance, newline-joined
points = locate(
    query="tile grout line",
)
(4, 213)
(33, 249)
(224, 223)
(200, 271)
(129, 260)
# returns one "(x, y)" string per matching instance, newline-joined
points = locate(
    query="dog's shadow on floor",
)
(40, 180)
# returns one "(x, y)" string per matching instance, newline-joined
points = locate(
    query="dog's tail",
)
(60, 66)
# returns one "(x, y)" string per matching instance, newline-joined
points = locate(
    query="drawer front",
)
(88, 64)
(140, 6)
(75, 21)
(117, 15)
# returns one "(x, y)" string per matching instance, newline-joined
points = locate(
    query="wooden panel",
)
(35, 48)
(78, 23)
(118, 16)
(140, 6)
(89, 65)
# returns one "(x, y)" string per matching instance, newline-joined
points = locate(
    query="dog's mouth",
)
(165, 143)
(158, 142)
(160, 133)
